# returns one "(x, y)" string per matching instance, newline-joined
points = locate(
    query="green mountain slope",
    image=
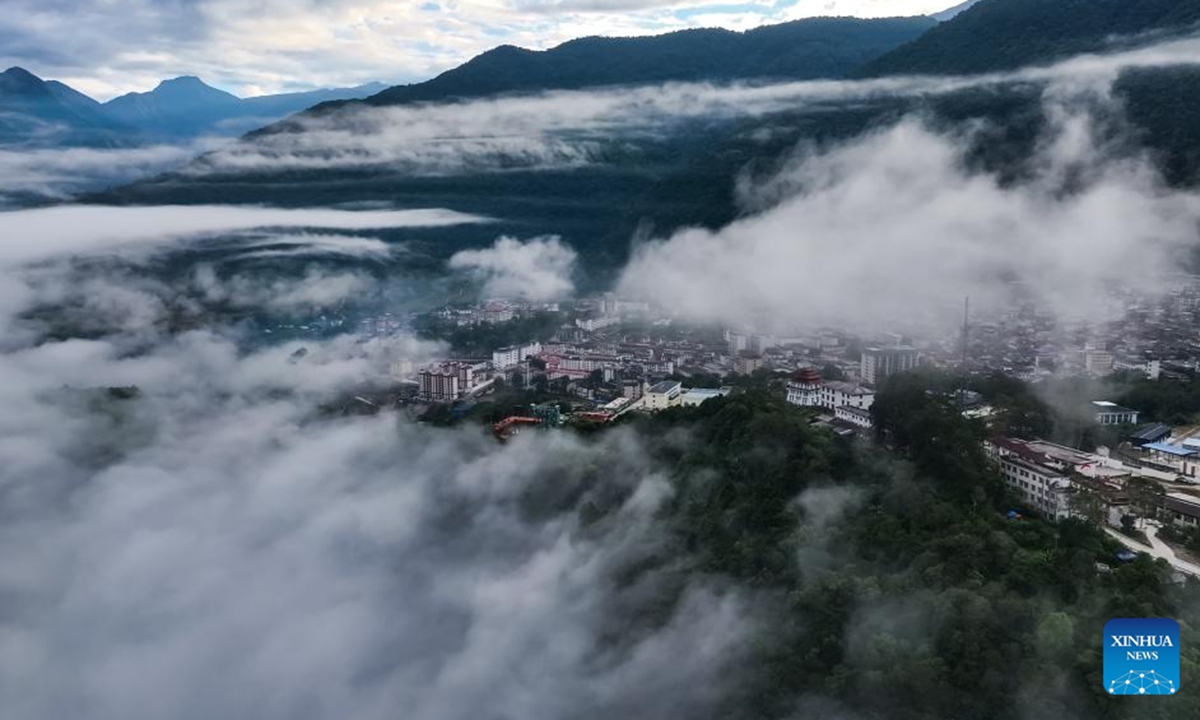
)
(800, 50)
(997, 35)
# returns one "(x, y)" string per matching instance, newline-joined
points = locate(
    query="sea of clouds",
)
(215, 546)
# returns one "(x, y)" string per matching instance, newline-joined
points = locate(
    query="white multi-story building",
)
(587, 363)
(597, 323)
(495, 313)
(663, 395)
(836, 394)
(878, 363)
(1097, 362)
(808, 389)
(439, 384)
(1041, 486)
(805, 388)
(747, 362)
(450, 380)
(515, 355)
(1152, 369)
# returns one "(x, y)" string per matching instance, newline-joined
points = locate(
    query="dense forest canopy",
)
(902, 590)
(799, 50)
(998, 35)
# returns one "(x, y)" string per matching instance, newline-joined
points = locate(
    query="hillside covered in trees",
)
(998, 35)
(892, 584)
(798, 50)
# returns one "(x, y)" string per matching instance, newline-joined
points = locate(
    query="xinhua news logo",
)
(1141, 656)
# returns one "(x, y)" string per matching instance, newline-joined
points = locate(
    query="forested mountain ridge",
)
(800, 50)
(999, 35)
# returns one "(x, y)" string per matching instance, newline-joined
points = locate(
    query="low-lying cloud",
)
(318, 244)
(539, 269)
(208, 547)
(37, 234)
(569, 129)
(56, 174)
(896, 229)
(216, 545)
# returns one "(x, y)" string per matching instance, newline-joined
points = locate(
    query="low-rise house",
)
(1153, 433)
(1110, 413)
(1182, 510)
(856, 416)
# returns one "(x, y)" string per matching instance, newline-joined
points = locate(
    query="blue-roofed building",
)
(1172, 450)
(1182, 459)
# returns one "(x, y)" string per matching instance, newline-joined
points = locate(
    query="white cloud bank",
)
(56, 174)
(894, 229)
(30, 235)
(211, 548)
(568, 129)
(539, 269)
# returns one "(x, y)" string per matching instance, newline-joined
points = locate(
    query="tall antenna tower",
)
(966, 330)
(966, 333)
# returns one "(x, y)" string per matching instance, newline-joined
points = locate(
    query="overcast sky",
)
(249, 47)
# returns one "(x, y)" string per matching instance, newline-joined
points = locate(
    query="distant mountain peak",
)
(182, 81)
(19, 80)
(192, 87)
(17, 71)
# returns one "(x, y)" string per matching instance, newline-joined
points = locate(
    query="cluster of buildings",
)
(1150, 333)
(588, 356)
(1049, 478)
(848, 402)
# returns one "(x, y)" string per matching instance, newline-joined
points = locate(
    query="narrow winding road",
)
(1156, 549)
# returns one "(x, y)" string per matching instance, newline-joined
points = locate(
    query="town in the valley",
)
(596, 359)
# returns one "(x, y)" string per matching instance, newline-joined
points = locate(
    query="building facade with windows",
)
(1042, 486)
(877, 363)
(514, 355)
(663, 395)
(1110, 413)
(808, 389)
(856, 416)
